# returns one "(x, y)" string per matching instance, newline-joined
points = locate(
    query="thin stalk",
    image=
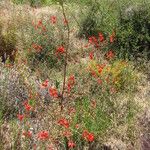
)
(66, 54)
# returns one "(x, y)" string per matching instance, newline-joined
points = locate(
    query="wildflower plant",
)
(78, 109)
(43, 47)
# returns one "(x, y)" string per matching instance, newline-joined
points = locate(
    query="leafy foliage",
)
(133, 33)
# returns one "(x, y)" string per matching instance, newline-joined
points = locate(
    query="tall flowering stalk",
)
(66, 53)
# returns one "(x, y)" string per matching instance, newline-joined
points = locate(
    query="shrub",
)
(98, 16)
(89, 22)
(133, 33)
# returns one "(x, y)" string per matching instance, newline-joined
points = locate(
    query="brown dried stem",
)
(66, 54)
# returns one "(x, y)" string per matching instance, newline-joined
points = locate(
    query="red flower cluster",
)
(101, 67)
(99, 81)
(110, 54)
(43, 135)
(20, 117)
(39, 25)
(64, 122)
(93, 40)
(53, 19)
(112, 37)
(27, 106)
(45, 84)
(67, 134)
(93, 73)
(77, 126)
(37, 47)
(71, 82)
(71, 110)
(60, 50)
(96, 41)
(88, 136)
(53, 92)
(71, 144)
(65, 22)
(91, 55)
(27, 134)
(101, 37)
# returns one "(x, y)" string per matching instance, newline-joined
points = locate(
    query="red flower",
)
(67, 134)
(88, 136)
(93, 73)
(86, 46)
(99, 81)
(91, 55)
(40, 23)
(44, 29)
(101, 67)
(71, 111)
(38, 48)
(53, 92)
(101, 37)
(71, 144)
(50, 147)
(45, 84)
(20, 117)
(53, 19)
(64, 123)
(27, 134)
(68, 87)
(90, 40)
(110, 54)
(112, 37)
(113, 90)
(71, 82)
(93, 40)
(77, 126)
(43, 135)
(34, 146)
(60, 50)
(65, 21)
(27, 107)
(25, 102)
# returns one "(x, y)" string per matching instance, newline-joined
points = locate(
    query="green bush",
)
(89, 21)
(133, 32)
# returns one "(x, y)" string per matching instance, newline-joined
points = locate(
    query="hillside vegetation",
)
(74, 75)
